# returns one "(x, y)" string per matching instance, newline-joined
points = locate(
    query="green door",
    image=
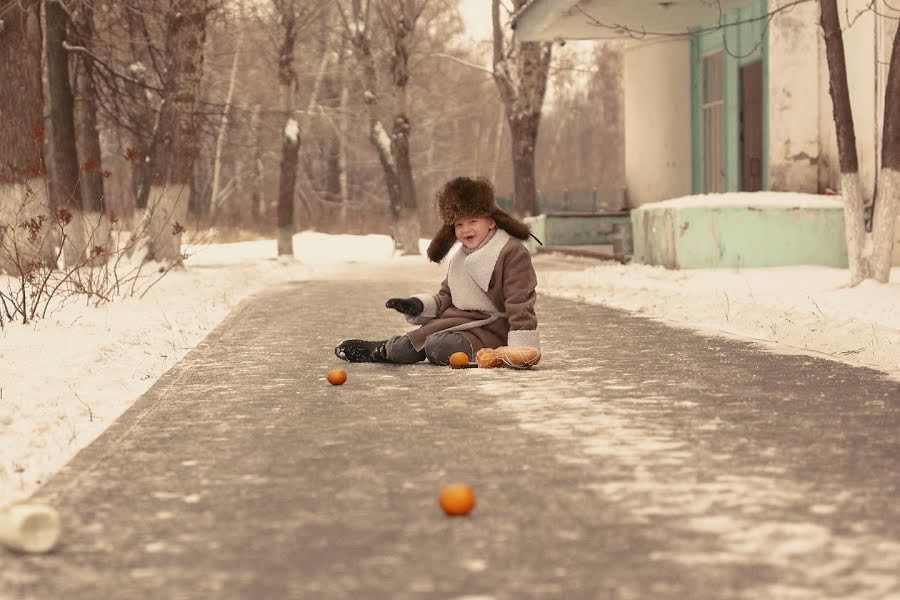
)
(729, 115)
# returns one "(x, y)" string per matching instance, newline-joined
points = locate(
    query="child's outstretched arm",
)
(519, 283)
(421, 308)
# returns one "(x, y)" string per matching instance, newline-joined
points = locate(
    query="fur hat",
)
(467, 197)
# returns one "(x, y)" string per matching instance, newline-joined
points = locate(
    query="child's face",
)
(471, 231)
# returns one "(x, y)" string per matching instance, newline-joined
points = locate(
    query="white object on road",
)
(32, 528)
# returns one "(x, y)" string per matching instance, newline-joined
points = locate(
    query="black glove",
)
(408, 306)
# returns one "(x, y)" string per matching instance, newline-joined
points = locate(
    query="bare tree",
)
(520, 72)
(291, 15)
(869, 253)
(399, 18)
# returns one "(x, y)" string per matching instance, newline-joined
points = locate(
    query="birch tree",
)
(520, 72)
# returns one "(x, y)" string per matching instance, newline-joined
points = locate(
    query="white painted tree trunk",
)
(854, 226)
(870, 254)
(98, 234)
(87, 231)
(884, 223)
(74, 240)
(167, 210)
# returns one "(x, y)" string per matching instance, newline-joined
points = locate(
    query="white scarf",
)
(469, 276)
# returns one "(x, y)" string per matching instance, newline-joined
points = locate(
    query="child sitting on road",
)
(486, 300)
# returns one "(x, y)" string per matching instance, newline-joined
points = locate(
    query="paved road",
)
(637, 461)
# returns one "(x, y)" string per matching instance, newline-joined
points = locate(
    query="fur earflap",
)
(510, 224)
(467, 197)
(441, 244)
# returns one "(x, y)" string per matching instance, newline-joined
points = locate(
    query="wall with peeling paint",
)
(657, 121)
(793, 99)
(722, 236)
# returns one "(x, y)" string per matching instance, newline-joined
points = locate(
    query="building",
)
(732, 95)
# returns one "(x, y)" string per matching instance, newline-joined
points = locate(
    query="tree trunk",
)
(290, 146)
(851, 190)
(143, 118)
(379, 137)
(59, 123)
(256, 208)
(176, 140)
(498, 144)
(382, 143)
(342, 151)
(21, 96)
(524, 139)
(223, 124)
(887, 200)
(407, 228)
(21, 132)
(407, 224)
(393, 152)
(290, 152)
(522, 87)
(87, 139)
(87, 136)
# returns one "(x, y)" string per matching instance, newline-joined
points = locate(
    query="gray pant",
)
(438, 348)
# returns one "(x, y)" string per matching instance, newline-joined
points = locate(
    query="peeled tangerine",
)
(337, 376)
(459, 359)
(457, 499)
(487, 358)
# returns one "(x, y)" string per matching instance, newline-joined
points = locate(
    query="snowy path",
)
(637, 461)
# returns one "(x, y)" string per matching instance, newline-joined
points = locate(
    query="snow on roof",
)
(786, 200)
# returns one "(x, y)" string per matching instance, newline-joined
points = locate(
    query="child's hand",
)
(407, 306)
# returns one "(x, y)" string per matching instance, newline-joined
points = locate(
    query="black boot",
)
(361, 351)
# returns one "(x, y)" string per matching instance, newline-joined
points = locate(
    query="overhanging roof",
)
(548, 20)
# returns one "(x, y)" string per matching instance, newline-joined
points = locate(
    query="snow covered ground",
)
(64, 379)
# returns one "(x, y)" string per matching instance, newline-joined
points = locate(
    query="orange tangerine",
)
(459, 359)
(337, 376)
(457, 499)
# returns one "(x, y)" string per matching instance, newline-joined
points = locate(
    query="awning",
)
(548, 20)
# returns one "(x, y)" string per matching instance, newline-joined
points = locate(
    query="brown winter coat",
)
(510, 287)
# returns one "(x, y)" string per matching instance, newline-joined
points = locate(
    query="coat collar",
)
(480, 264)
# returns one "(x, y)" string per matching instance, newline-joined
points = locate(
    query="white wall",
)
(794, 106)
(657, 121)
